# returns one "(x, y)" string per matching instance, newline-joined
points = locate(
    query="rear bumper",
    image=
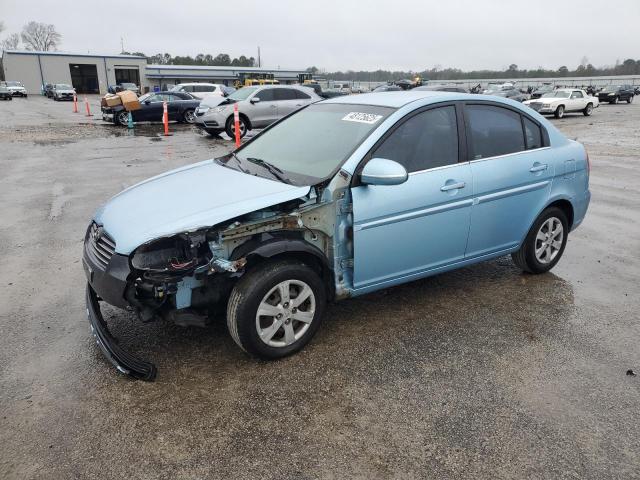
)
(580, 207)
(124, 362)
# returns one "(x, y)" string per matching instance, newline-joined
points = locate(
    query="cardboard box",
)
(112, 100)
(129, 100)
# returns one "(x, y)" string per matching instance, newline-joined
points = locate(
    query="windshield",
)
(610, 88)
(299, 146)
(144, 97)
(557, 94)
(14, 84)
(64, 86)
(128, 85)
(242, 94)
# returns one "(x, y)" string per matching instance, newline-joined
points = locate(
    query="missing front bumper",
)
(124, 361)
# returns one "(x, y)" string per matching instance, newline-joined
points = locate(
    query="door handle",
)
(538, 167)
(452, 186)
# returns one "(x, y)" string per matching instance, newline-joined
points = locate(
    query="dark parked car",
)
(441, 88)
(387, 88)
(508, 92)
(47, 90)
(180, 106)
(5, 94)
(540, 91)
(616, 93)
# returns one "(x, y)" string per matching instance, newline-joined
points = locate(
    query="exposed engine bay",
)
(187, 276)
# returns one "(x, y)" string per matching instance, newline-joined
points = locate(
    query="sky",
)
(349, 35)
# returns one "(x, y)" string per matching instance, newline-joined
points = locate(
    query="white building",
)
(90, 73)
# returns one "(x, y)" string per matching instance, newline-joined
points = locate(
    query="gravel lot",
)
(480, 373)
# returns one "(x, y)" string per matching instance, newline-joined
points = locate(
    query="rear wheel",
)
(559, 113)
(275, 309)
(545, 242)
(588, 110)
(189, 116)
(230, 128)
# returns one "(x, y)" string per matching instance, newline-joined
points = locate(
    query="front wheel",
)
(559, 113)
(614, 101)
(275, 309)
(588, 110)
(230, 128)
(122, 118)
(545, 242)
(630, 99)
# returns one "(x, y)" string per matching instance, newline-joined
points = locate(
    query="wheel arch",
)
(257, 251)
(244, 117)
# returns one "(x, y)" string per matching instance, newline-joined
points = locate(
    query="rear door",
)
(288, 100)
(511, 176)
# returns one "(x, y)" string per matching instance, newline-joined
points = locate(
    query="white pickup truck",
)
(564, 100)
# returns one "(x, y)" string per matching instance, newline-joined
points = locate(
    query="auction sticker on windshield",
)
(360, 117)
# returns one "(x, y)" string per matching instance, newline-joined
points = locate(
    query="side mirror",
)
(255, 100)
(380, 171)
(147, 102)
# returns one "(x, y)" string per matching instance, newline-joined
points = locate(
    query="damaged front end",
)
(188, 276)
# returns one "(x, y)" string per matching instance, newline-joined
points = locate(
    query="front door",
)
(151, 110)
(512, 176)
(401, 232)
(264, 112)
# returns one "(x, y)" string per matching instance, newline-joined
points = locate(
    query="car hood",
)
(189, 198)
(16, 88)
(64, 91)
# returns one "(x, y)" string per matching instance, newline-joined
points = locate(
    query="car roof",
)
(399, 99)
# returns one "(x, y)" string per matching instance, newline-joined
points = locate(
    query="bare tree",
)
(40, 36)
(11, 42)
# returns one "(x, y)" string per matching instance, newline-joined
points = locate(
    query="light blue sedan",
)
(341, 198)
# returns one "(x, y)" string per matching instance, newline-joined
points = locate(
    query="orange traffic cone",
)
(75, 103)
(236, 123)
(165, 118)
(86, 104)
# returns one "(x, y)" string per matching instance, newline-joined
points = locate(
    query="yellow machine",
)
(255, 79)
(306, 79)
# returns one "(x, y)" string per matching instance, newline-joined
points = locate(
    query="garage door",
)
(84, 77)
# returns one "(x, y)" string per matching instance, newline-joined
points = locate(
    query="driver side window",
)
(426, 140)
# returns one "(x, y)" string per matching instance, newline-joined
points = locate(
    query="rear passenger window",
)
(301, 95)
(533, 134)
(266, 95)
(427, 140)
(493, 131)
(285, 94)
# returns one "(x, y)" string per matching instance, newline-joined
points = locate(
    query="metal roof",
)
(68, 54)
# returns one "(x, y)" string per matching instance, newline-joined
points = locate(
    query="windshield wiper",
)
(273, 170)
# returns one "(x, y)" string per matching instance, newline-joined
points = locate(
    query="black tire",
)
(121, 118)
(230, 130)
(56, 99)
(525, 257)
(630, 99)
(247, 296)
(9, 98)
(588, 110)
(614, 101)
(559, 113)
(189, 116)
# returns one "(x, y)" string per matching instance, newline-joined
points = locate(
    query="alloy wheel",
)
(549, 240)
(285, 313)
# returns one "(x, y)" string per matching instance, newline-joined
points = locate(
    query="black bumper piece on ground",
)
(123, 361)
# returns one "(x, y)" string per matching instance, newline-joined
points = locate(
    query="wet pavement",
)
(479, 373)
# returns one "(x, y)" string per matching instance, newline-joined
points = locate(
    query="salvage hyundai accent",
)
(341, 198)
